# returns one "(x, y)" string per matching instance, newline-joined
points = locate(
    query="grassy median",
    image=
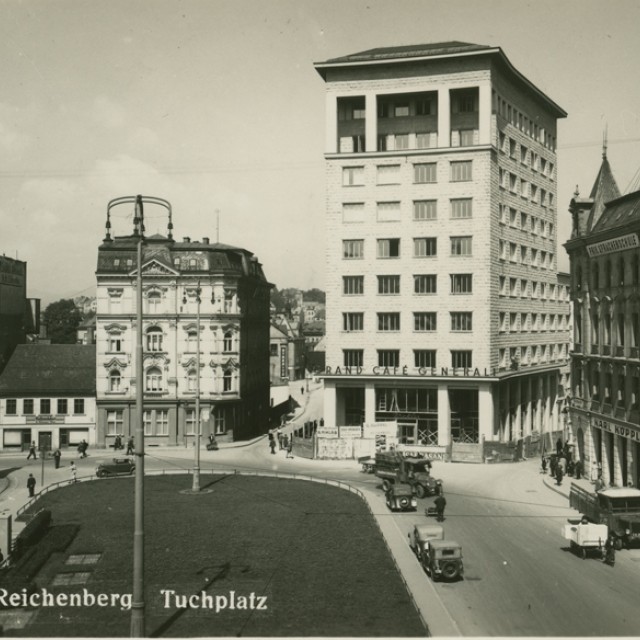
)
(260, 556)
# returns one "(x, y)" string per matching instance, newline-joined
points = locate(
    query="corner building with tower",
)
(445, 310)
(223, 287)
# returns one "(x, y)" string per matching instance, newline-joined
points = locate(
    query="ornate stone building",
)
(604, 251)
(222, 286)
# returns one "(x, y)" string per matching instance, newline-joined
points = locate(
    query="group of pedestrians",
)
(281, 441)
(562, 463)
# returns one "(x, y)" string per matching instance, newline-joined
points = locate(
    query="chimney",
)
(186, 239)
(205, 240)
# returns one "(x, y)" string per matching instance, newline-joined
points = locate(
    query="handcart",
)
(585, 537)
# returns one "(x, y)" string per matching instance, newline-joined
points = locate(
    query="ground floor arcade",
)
(440, 410)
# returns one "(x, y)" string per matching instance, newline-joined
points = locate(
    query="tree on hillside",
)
(62, 319)
(314, 295)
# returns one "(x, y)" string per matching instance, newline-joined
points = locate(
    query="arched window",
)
(228, 341)
(154, 379)
(227, 380)
(192, 383)
(154, 298)
(154, 339)
(114, 380)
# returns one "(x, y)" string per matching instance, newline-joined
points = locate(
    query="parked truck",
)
(618, 508)
(392, 467)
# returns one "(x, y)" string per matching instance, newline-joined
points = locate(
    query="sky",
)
(215, 106)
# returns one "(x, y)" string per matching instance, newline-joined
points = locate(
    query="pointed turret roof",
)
(604, 190)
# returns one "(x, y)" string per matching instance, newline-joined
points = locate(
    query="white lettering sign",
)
(630, 241)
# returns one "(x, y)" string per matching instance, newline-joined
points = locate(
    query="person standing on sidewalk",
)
(31, 485)
(440, 503)
(56, 458)
(72, 468)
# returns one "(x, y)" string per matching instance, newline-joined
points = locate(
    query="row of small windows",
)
(610, 272)
(423, 284)
(422, 358)
(459, 208)
(155, 341)
(515, 357)
(524, 123)
(423, 321)
(519, 322)
(522, 254)
(526, 156)
(526, 190)
(526, 222)
(422, 247)
(423, 173)
(155, 382)
(156, 422)
(612, 387)
(46, 406)
(517, 287)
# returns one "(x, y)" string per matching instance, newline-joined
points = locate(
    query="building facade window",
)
(154, 339)
(425, 247)
(78, 407)
(227, 343)
(153, 379)
(352, 285)
(11, 407)
(461, 283)
(461, 245)
(425, 284)
(353, 212)
(425, 172)
(388, 173)
(45, 406)
(353, 357)
(425, 209)
(115, 343)
(388, 211)
(114, 380)
(352, 176)
(192, 382)
(389, 285)
(353, 249)
(115, 422)
(353, 321)
(388, 248)
(461, 208)
(461, 171)
(27, 407)
(227, 381)
(388, 357)
(389, 321)
(461, 321)
(461, 359)
(424, 358)
(424, 321)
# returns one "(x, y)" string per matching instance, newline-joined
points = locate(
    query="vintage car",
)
(422, 534)
(117, 467)
(443, 559)
(400, 497)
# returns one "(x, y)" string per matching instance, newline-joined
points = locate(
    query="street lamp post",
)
(196, 468)
(137, 605)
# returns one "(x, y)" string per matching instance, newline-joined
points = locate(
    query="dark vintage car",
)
(422, 535)
(117, 467)
(443, 559)
(400, 497)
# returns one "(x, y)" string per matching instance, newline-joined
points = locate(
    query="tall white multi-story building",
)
(445, 310)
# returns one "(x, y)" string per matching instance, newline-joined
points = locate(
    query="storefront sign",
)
(632, 433)
(431, 372)
(630, 241)
(45, 419)
(429, 452)
(327, 432)
(373, 429)
(351, 432)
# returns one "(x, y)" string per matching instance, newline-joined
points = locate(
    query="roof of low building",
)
(412, 51)
(50, 368)
(619, 212)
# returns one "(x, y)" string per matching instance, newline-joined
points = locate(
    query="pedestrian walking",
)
(32, 451)
(117, 444)
(440, 503)
(82, 449)
(544, 465)
(279, 437)
(31, 485)
(578, 469)
(609, 555)
(290, 448)
(272, 444)
(56, 458)
(72, 468)
(559, 446)
(559, 475)
(130, 446)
